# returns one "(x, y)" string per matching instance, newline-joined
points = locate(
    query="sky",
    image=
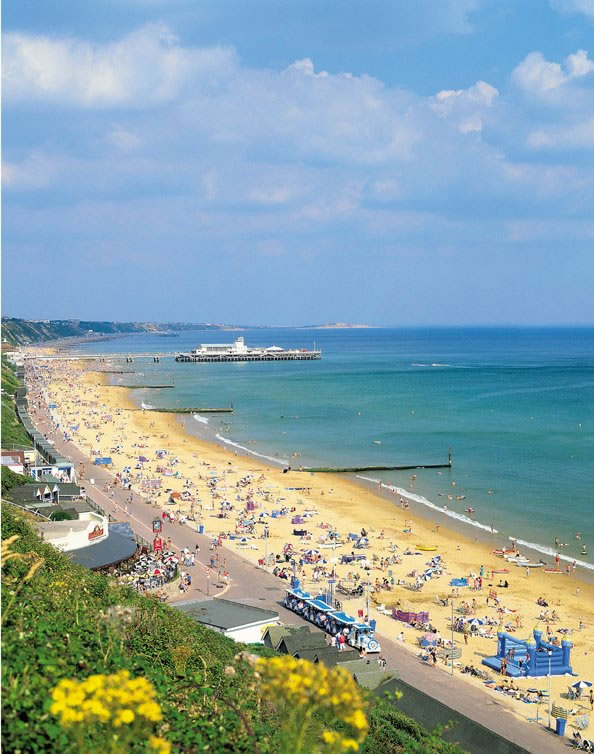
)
(263, 162)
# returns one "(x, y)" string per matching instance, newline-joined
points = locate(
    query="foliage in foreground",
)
(64, 625)
(11, 479)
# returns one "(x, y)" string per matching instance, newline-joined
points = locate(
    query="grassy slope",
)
(13, 432)
(57, 628)
(11, 479)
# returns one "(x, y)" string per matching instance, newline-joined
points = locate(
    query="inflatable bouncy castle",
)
(530, 658)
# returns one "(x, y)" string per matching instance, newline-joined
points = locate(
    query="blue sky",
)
(266, 162)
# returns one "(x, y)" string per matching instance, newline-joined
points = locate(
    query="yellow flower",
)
(159, 745)
(125, 716)
(151, 711)
(357, 719)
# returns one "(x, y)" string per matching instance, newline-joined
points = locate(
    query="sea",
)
(513, 406)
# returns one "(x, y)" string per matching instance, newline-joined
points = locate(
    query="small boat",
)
(426, 548)
(529, 565)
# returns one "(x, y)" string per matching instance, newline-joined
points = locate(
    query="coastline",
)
(457, 524)
(342, 502)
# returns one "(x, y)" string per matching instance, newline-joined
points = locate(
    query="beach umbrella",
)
(312, 552)
(142, 459)
(475, 622)
(430, 637)
(581, 685)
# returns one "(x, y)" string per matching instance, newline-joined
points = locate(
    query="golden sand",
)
(83, 398)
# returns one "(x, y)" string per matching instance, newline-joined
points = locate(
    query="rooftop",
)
(297, 642)
(225, 614)
(110, 551)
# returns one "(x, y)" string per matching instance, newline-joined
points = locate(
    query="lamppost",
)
(452, 639)
(266, 547)
(550, 654)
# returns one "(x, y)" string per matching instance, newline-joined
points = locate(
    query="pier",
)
(101, 357)
(286, 356)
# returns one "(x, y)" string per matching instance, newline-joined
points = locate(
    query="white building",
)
(89, 529)
(238, 347)
(244, 623)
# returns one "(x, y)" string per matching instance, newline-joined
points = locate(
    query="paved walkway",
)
(252, 585)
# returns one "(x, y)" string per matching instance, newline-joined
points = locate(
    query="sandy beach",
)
(218, 486)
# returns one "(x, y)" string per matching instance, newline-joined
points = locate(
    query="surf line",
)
(227, 441)
(423, 501)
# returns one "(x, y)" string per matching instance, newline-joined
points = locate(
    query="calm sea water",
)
(516, 407)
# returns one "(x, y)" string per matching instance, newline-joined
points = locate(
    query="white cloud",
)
(575, 6)
(144, 68)
(465, 107)
(33, 172)
(123, 139)
(271, 195)
(537, 75)
(580, 136)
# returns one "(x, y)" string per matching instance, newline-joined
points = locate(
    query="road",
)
(252, 585)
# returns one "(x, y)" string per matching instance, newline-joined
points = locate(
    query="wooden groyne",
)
(358, 469)
(185, 410)
(141, 387)
(192, 410)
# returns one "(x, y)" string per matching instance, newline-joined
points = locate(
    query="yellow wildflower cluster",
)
(300, 683)
(117, 699)
(159, 745)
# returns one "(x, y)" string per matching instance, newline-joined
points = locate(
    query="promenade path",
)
(252, 585)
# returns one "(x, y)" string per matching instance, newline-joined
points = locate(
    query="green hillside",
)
(26, 332)
(61, 621)
(13, 432)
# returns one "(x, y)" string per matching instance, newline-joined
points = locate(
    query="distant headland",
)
(338, 326)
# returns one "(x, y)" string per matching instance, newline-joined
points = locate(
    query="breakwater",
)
(357, 469)
(204, 410)
(142, 387)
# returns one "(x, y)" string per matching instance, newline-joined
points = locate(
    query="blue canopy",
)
(321, 605)
(300, 594)
(361, 626)
(103, 461)
(344, 618)
(459, 582)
